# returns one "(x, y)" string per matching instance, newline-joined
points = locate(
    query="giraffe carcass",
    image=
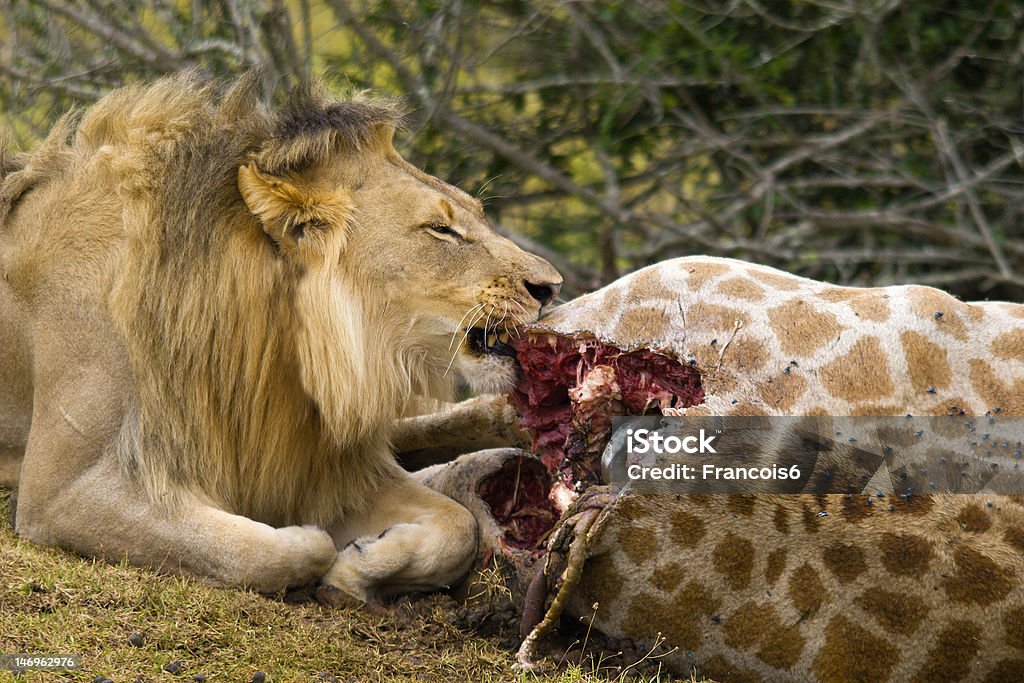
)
(762, 587)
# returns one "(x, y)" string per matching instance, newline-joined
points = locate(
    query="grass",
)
(55, 602)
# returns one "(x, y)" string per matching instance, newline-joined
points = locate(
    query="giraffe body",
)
(771, 343)
(827, 588)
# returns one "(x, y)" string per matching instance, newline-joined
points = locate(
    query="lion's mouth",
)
(489, 343)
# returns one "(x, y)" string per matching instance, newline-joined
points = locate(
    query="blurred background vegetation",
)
(859, 141)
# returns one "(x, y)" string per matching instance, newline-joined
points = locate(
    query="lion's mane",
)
(252, 388)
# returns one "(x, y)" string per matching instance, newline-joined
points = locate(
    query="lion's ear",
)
(290, 212)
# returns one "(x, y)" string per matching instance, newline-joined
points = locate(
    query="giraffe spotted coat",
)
(767, 588)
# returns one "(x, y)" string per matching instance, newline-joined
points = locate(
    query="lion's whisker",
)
(459, 325)
(456, 352)
(486, 323)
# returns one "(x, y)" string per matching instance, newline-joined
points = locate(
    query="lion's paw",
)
(310, 550)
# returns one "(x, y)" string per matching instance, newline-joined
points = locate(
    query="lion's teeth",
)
(503, 337)
(491, 339)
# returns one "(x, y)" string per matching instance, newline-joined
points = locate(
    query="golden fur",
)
(255, 267)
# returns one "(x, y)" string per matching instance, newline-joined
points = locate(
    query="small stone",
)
(136, 640)
(259, 677)
(199, 678)
(172, 667)
(100, 679)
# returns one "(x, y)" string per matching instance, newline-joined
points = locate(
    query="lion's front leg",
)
(412, 539)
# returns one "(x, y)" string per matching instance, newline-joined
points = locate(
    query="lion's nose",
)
(542, 292)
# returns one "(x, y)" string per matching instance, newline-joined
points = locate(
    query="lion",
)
(212, 312)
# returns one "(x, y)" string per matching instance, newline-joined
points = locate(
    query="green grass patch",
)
(55, 602)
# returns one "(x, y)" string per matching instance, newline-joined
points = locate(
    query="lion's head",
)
(381, 230)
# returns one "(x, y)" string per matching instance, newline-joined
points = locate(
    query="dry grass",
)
(55, 602)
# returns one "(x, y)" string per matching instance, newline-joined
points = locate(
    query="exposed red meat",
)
(567, 412)
(517, 495)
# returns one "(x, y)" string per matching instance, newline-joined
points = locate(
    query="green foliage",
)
(883, 137)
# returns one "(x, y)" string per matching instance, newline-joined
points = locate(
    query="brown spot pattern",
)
(1006, 671)
(846, 562)
(742, 505)
(719, 669)
(851, 654)
(978, 580)
(676, 618)
(747, 409)
(904, 554)
(734, 559)
(862, 374)
(806, 589)
(951, 657)
(775, 565)
(927, 364)
(854, 507)
(1015, 537)
(639, 543)
(926, 302)
(741, 288)
(647, 285)
(646, 607)
(782, 391)
(720, 319)
(912, 505)
(871, 307)
(1013, 622)
(601, 581)
(974, 518)
(781, 520)
(783, 281)
(995, 394)
(666, 577)
(759, 626)
(897, 613)
(699, 274)
(810, 519)
(640, 323)
(686, 530)
(801, 328)
(744, 355)
(869, 304)
(1009, 345)
(696, 599)
(611, 299)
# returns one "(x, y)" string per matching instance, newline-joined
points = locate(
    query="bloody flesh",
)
(517, 495)
(571, 386)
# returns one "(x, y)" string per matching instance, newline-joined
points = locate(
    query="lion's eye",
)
(442, 230)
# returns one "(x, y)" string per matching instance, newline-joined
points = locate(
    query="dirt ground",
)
(130, 624)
